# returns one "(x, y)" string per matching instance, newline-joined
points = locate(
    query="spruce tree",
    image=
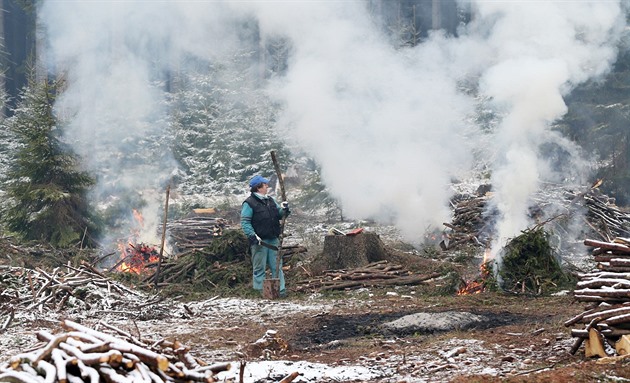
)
(46, 191)
(222, 128)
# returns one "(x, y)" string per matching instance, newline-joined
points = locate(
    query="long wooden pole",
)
(157, 270)
(283, 193)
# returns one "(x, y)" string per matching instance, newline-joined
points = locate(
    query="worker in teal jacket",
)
(260, 221)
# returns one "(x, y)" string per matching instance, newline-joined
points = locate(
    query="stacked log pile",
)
(604, 216)
(467, 223)
(83, 354)
(606, 321)
(380, 273)
(467, 214)
(195, 232)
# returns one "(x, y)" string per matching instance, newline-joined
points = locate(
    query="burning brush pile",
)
(473, 215)
(135, 258)
(529, 265)
(206, 254)
(478, 285)
(83, 354)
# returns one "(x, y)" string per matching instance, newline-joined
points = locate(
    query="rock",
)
(434, 322)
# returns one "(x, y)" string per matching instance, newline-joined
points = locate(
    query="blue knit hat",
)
(258, 180)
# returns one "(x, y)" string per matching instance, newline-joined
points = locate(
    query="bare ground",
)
(524, 340)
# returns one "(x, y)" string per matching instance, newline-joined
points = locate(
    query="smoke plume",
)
(391, 128)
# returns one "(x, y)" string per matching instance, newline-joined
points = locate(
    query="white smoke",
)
(390, 128)
(540, 51)
(114, 55)
(386, 126)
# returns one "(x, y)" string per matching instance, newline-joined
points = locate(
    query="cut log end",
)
(594, 345)
(622, 346)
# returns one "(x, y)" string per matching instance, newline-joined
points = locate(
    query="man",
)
(260, 221)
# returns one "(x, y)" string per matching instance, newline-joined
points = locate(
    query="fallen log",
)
(291, 377)
(615, 247)
(620, 262)
(601, 282)
(604, 275)
(616, 269)
(618, 319)
(400, 281)
(622, 240)
(605, 314)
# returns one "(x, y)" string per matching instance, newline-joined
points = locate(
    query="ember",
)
(134, 259)
(472, 287)
(478, 285)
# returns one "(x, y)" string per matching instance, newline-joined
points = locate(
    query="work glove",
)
(253, 240)
(285, 207)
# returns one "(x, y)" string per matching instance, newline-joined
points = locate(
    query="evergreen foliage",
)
(529, 265)
(7, 141)
(223, 128)
(46, 191)
(222, 265)
(314, 195)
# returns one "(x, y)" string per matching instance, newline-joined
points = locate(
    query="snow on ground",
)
(310, 372)
(438, 363)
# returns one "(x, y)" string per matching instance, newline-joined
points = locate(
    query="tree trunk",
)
(349, 252)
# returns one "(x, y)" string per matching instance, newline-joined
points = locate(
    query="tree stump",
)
(349, 252)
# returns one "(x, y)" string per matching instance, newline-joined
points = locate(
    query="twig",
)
(537, 369)
(7, 322)
(241, 371)
(83, 238)
(98, 260)
(120, 262)
(158, 300)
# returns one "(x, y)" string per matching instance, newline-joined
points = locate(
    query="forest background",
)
(218, 126)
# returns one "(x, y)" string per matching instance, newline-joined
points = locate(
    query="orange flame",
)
(137, 258)
(134, 259)
(472, 287)
(477, 286)
(138, 216)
